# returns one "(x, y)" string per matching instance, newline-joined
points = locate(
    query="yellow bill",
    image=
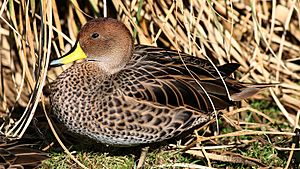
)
(76, 53)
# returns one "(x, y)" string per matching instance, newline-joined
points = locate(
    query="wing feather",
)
(157, 75)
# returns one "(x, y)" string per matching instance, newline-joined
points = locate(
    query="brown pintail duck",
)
(125, 95)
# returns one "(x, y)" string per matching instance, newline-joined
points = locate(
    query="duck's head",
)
(104, 41)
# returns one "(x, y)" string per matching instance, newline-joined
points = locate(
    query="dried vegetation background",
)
(263, 36)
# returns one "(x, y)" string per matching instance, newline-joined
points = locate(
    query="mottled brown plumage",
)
(124, 95)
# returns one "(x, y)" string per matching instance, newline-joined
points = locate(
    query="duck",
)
(123, 94)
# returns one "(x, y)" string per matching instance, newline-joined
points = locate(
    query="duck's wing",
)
(176, 79)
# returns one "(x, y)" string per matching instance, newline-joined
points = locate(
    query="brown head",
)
(105, 41)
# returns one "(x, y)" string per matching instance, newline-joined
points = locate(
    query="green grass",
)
(90, 160)
(158, 159)
(266, 153)
(155, 159)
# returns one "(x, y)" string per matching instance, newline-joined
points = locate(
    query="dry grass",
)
(263, 36)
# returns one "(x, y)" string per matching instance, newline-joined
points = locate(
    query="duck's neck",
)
(112, 62)
(110, 68)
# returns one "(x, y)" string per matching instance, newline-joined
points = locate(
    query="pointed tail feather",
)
(261, 85)
(250, 90)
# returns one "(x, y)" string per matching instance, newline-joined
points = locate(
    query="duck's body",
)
(150, 96)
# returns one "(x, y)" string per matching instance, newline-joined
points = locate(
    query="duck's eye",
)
(95, 35)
